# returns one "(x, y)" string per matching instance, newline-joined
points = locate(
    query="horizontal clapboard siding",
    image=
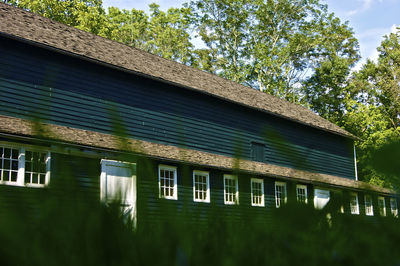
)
(77, 175)
(67, 91)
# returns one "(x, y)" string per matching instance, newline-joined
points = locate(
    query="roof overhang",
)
(12, 127)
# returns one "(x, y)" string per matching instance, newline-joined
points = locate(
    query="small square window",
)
(167, 182)
(301, 192)
(201, 186)
(231, 190)
(257, 192)
(382, 206)
(280, 194)
(354, 203)
(369, 209)
(257, 151)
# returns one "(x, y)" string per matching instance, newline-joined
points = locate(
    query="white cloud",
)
(369, 41)
(365, 5)
(394, 29)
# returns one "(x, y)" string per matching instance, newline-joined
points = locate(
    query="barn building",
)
(158, 134)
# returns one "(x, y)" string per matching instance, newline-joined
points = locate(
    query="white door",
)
(118, 185)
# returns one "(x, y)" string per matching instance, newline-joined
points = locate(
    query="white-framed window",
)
(257, 192)
(354, 203)
(167, 182)
(369, 208)
(201, 186)
(231, 189)
(393, 207)
(382, 206)
(24, 167)
(301, 192)
(280, 193)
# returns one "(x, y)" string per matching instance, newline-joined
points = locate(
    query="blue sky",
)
(370, 19)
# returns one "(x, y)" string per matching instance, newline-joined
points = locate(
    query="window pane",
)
(35, 164)
(42, 157)
(15, 154)
(34, 178)
(6, 175)
(6, 164)
(28, 166)
(14, 165)
(42, 179)
(7, 153)
(14, 176)
(27, 177)
(42, 168)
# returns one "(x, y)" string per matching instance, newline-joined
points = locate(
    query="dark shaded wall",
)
(38, 83)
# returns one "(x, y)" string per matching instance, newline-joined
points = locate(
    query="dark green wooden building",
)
(159, 135)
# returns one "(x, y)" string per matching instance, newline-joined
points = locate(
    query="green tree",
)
(327, 87)
(224, 26)
(374, 114)
(87, 15)
(276, 46)
(162, 33)
(169, 33)
(130, 27)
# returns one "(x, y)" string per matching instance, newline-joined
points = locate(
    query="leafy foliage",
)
(276, 46)
(162, 33)
(85, 15)
(373, 114)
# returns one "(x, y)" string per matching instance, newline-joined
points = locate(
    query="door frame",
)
(105, 163)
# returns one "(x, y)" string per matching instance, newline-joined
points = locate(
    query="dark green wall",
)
(78, 178)
(152, 208)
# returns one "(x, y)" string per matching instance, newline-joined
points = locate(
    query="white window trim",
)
(207, 174)
(277, 183)
(232, 177)
(367, 212)
(306, 192)
(260, 181)
(21, 167)
(394, 211)
(357, 205)
(382, 211)
(168, 168)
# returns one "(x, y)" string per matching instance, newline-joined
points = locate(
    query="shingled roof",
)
(28, 27)
(16, 127)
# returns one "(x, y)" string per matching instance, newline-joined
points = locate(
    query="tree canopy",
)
(277, 46)
(373, 113)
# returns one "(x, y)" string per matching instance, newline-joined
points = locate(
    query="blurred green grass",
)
(78, 233)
